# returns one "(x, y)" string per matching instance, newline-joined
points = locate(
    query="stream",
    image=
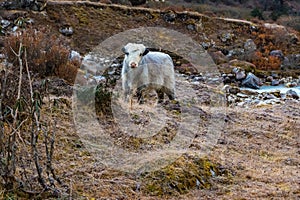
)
(266, 88)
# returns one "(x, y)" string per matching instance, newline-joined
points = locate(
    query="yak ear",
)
(146, 51)
(123, 50)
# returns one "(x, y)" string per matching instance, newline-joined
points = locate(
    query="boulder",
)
(249, 45)
(232, 99)
(239, 73)
(169, 16)
(292, 94)
(75, 56)
(275, 75)
(269, 79)
(251, 81)
(275, 82)
(278, 54)
(237, 52)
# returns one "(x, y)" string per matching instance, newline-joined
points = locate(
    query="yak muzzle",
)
(133, 65)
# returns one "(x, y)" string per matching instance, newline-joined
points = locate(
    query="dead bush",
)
(68, 71)
(27, 136)
(46, 54)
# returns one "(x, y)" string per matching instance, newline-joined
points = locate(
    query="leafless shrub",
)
(26, 138)
(46, 54)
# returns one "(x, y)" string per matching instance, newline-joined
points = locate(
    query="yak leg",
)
(160, 95)
(139, 94)
(170, 93)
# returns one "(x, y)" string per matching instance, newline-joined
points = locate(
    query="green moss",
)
(185, 174)
(82, 15)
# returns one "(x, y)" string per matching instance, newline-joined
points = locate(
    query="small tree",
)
(257, 13)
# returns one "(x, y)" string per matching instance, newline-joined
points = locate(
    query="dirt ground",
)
(259, 147)
(255, 154)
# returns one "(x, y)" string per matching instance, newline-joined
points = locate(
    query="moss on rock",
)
(185, 174)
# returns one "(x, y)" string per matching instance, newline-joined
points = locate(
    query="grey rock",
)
(285, 63)
(250, 45)
(293, 38)
(66, 30)
(191, 27)
(236, 52)
(251, 81)
(231, 89)
(278, 54)
(239, 73)
(241, 104)
(275, 75)
(169, 17)
(198, 78)
(275, 82)
(14, 29)
(205, 45)
(74, 55)
(234, 90)
(272, 101)
(227, 80)
(269, 79)
(268, 96)
(4, 23)
(227, 37)
(292, 162)
(232, 99)
(292, 94)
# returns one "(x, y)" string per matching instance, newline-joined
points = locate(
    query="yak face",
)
(133, 54)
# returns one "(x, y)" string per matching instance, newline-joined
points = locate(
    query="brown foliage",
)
(68, 71)
(266, 63)
(46, 54)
